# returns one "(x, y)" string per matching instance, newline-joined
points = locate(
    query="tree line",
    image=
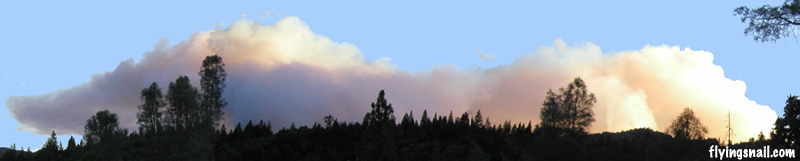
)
(184, 125)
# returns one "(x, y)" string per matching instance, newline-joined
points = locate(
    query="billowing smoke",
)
(285, 73)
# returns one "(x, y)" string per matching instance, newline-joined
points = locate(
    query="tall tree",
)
(770, 23)
(104, 137)
(687, 127)
(378, 141)
(183, 111)
(778, 136)
(382, 113)
(212, 83)
(49, 150)
(102, 126)
(787, 129)
(72, 148)
(424, 120)
(71, 144)
(570, 109)
(328, 120)
(464, 119)
(478, 120)
(149, 116)
(191, 124)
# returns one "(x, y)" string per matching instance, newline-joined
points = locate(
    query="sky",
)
(55, 51)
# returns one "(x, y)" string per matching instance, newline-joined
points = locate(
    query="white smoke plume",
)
(285, 73)
(485, 56)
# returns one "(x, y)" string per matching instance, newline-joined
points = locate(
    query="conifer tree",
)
(425, 120)
(212, 84)
(379, 139)
(478, 120)
(183, 112)
(149, 116)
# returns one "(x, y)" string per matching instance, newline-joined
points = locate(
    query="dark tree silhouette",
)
(464, 119)
(212, 84)
(51, 144)
(570, 109)
(10, 154)
(787, 129)
(102, 126)
(687, 127)
(103, 135)
(425, 120)
(378, 141)
(478, 120)
(191, 126)
(779, 134)
(183, 110)
(49, 150)
(328, 120)
(71, 151)
(149, 116)
(770, 23)
(382, 113)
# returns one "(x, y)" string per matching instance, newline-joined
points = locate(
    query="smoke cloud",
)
(485, 56)
(285, 73)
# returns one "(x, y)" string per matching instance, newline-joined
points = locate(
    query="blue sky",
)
(49, 46)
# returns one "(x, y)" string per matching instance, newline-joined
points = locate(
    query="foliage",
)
(570, 109)
(183, 110)
(787, 129)
(770, 23)
(380, 136)
(104, 137)
(212, 84)
(687, 127)
(149, 116)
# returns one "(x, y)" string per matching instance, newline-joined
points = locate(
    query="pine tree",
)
(222, 130)
(49, 150)
(183, 112)
(212, 84)
(249, 127)
(149, 116)
(424, 120)
(71, 144)
(238, 129)
(379, 139)
(464, 119)
(478, 120)
(382, 113)
(450, 118)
